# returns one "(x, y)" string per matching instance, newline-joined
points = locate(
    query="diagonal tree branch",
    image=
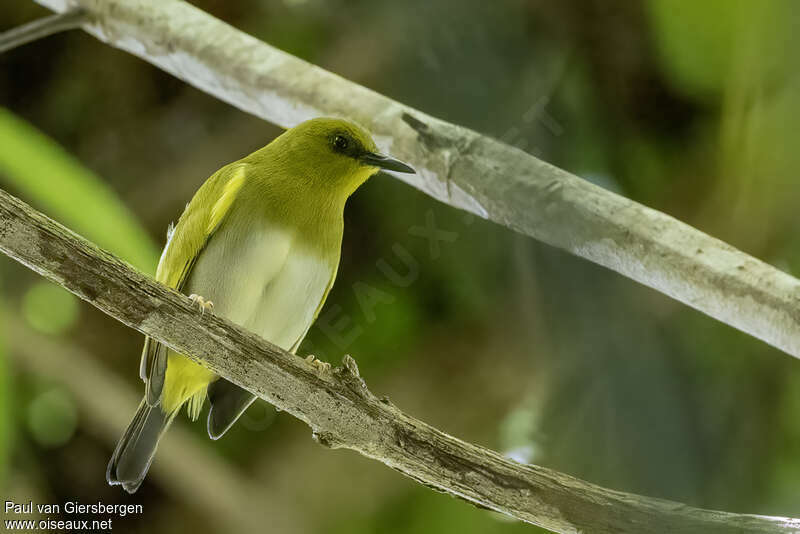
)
(460, 167)
(339, 408)
(41, 28)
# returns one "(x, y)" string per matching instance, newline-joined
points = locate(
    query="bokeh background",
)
(689, 107)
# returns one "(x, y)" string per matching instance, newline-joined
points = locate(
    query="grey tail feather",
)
(137, 446)
(153, 370)
(228, 402)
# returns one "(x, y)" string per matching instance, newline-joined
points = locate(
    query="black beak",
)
(385, 162)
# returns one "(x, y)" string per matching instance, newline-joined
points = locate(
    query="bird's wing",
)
(185, 242)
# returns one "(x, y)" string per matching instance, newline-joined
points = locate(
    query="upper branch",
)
(461, 167)
(338, 407)
(41, 28)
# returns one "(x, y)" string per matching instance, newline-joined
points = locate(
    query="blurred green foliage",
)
(696, 42)
(429, 512)
(58, 184)
(7, 406)
(50, 308)
(52, 418)
(689, 107)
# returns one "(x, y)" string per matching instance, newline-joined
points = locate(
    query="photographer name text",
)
(109, 511)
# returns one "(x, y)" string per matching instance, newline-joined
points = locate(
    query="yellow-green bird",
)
(260, 242)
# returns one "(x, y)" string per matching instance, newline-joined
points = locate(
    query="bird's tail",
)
(137, 446)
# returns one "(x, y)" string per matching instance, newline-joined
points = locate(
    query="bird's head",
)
(333, 154)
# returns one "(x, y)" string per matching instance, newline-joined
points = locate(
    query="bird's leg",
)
(201, 302)
(322, 367)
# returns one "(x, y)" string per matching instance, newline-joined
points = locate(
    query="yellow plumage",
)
(185, 379)
(261, 239)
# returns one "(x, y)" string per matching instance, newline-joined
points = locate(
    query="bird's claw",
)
(322, 367)
(202, 303)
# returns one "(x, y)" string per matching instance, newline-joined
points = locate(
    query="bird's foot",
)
(202, 303)
(322, 367)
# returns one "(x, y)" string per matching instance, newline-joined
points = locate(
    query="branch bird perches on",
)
(338, 407)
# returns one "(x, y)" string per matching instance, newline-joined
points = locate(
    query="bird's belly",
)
(268, 281)
(290, 301)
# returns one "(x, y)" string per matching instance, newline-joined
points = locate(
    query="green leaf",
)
(54, 181)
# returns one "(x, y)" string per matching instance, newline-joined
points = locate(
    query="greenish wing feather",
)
(201, 218)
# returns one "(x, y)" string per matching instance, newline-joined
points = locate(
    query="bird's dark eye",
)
(340, 143)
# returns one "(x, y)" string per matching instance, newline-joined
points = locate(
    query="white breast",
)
(267, 281)
(290, 300)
